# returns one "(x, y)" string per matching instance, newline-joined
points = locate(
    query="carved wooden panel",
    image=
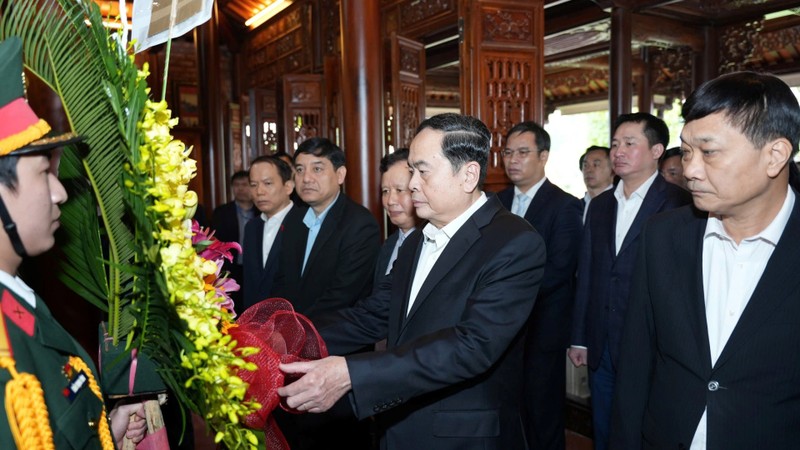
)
(280, 48)
(508, 97)
(415, 18)
(507, 26)
(405, 99)
(737, 46)
(502, 69)
(671, 72)
(303, 109)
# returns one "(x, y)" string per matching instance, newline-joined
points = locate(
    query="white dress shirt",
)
(628, 208)
(16, 285)
(433, 244)
(730, 275)
(271, 227)
(521, 209)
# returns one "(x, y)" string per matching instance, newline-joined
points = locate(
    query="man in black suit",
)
(556, 215)
(709, 357)
(271, 186)
(598, 175)
(453, 310)
(326, 264)
(228, 223)
(328, 258)
(396, 199)
(608, 254)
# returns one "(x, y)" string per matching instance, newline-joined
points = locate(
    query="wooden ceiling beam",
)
(655, 30)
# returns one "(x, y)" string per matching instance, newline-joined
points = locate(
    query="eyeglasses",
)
(508, 153)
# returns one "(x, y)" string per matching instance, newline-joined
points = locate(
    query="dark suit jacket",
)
(452, 375)
(383, 259)
(340, 266)
(665, 372)
(225, 222)
(257, 276)
(604, 277)
(558, 217)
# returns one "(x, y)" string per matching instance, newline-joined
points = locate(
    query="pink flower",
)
(209, 247)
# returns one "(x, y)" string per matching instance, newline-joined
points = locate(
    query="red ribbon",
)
(283, 336)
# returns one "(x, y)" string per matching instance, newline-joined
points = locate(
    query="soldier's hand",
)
(128, 421)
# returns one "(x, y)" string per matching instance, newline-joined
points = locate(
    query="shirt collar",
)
(443, 235)
(532, 191)
(771, 234)
(280, 214)
(17, 286)
(311, 218)
(641, 192)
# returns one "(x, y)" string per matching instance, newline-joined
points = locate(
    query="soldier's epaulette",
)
(18, 314)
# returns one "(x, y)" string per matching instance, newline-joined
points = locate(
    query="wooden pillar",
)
(207, 43)
(362, 101)
(620, 87)
(644, 84)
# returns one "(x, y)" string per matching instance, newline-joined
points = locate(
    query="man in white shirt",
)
(598, 175)
(452, 312)
(709, 357)
(271, 185)
(608, 255)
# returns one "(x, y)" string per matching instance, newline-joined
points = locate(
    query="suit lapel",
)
(401, 281)
(456, 249)
(326, 230)
(506, 197)
(689, 245)
(778, 284)
(539, 201)
(651, 204)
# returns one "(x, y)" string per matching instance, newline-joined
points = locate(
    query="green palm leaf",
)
(80, 64)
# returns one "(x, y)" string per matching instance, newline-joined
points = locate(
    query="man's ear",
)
(341, 172)
(543, 155)
(780, 152)
(472, 174)
(657, 150)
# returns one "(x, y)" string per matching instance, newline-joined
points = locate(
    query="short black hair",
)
(655, 129)
(760, 105)
(542, 138)
(465, 139)
(593, 148)
(8, 171)
(283, 168)
(669, 153)
(399, 155)
(240, 174)
(321, 147)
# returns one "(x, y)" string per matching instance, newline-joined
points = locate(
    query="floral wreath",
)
(140, 258)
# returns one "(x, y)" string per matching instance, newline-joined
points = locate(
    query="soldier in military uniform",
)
(48, 383)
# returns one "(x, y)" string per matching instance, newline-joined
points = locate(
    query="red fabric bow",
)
(283, 336)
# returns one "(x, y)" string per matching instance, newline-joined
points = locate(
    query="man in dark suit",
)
(608, 254)
(709, 358)
(396, 199)
(453, 310)
(327, 260)
(228, 223)
(271, 185)
(556, 215)
(598, 175)
(326, 264)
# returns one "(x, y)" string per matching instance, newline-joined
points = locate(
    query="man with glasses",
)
(556, 215)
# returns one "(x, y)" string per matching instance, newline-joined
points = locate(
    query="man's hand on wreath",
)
(323, 383)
